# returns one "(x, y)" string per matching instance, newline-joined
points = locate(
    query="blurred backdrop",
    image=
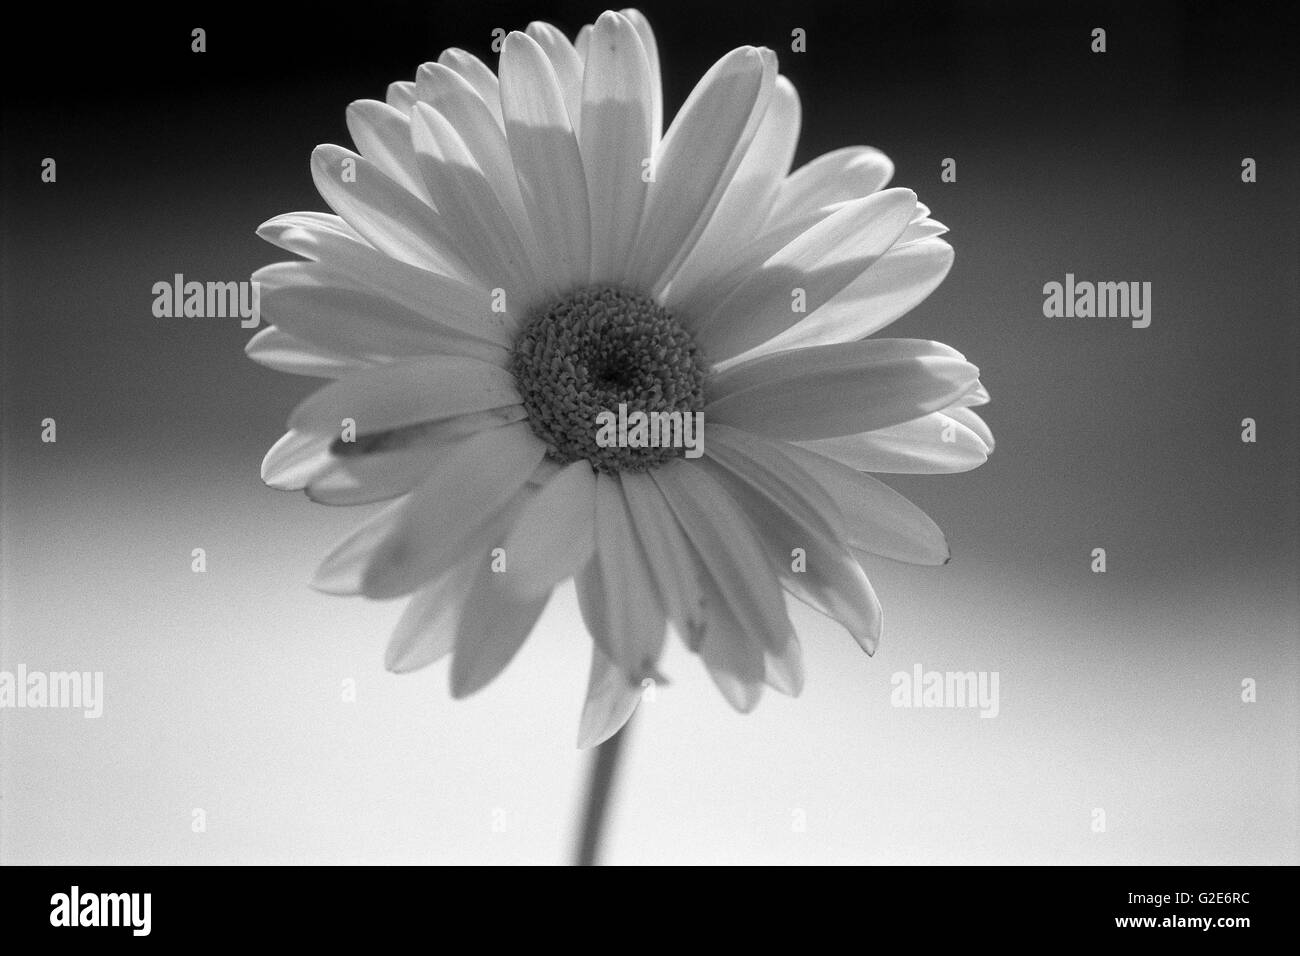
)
(1120, 692)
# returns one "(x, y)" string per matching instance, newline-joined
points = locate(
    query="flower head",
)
(517, 256)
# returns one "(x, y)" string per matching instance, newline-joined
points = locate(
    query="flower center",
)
(592, 351)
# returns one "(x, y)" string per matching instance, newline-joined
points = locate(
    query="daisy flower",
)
(514, 253)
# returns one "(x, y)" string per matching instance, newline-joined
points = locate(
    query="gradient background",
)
(1118, 691)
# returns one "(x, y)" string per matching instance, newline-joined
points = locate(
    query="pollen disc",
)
(594, 350)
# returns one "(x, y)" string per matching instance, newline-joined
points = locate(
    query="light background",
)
(1118, 691)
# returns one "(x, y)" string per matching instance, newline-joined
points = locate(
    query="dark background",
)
(1119, 166)
(1122, 166)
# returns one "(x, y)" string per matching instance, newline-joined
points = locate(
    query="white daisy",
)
(513, 254)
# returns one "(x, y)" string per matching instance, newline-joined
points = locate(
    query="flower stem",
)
(604, 768)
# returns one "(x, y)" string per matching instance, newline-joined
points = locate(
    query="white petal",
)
(431, 624)
(697, 159)
(469, 206)
(820, 263)
(896, 283)
(651, 48)
(378, 477)
(405, 393)
(582, 42)
(426, 631)
(842, 389)
(699, 292)
(876, 519)
(478, 75)
(401, 95)
(443, 522)
(626, 620)
(399, 461)
(938, 443)
(279, 350)
(446, 302)
(493, 626)
(924, 228)
(745, 204)
(343, 570)
(318, 305)
(733, 656)
(784, 672)
(611, 700)
(552, 538)
(978, 395)
(566, 63)
(729, 550)
(791, 511)
(972, 421)
(672, 559)
(547, 161)
(295, 459)
(615, 139)
(481, 131)
(831, 178)
(308, 233)
(383, 136)
(394, 220)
